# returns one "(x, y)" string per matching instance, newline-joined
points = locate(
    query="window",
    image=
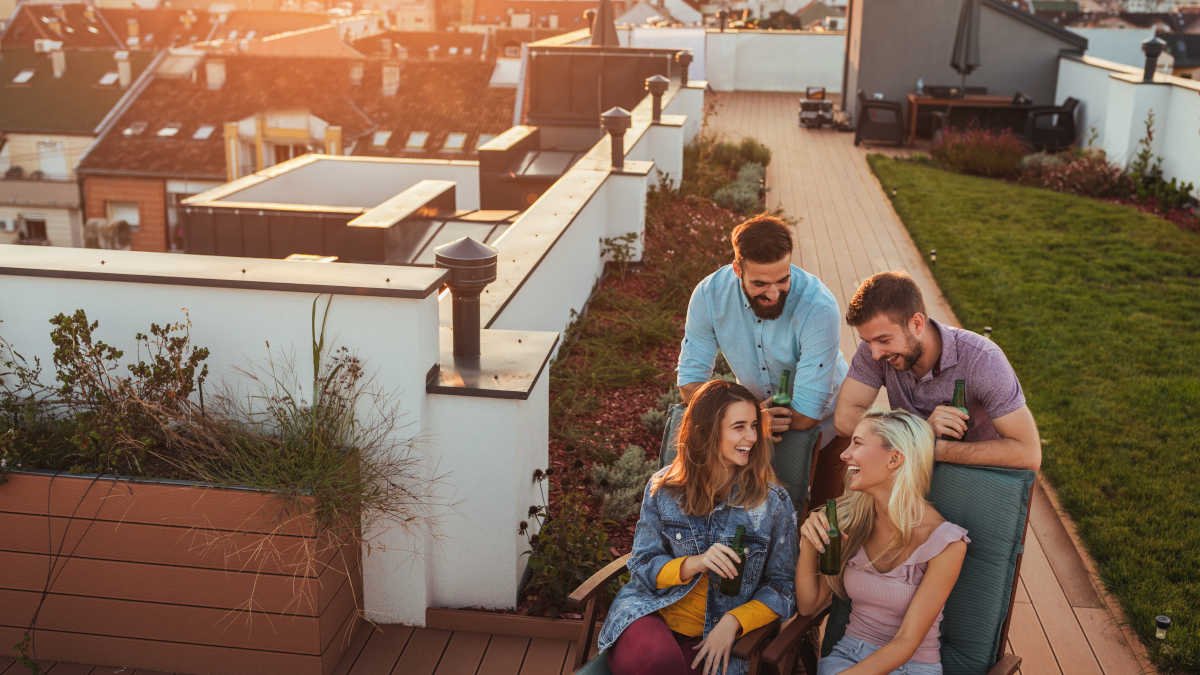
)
(169, 130)
(52, 159)
(483, 140)
(467, 51)
(135, 129)
(380, 138)
(126, 211)
(34, 230)
(203, 132)
(454, 51)
(416, 141)
(108, 79)
(23, 77)
(455, 142)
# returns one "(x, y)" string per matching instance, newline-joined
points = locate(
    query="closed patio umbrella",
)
(965, 57)
(604, 31)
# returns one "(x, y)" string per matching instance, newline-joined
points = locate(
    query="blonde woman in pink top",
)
(900, 558)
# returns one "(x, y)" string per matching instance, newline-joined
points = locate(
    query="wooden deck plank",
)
(382, 650)
(108, 670)
(463, 654)
(1107, 641)
(422, 653)
(569, 661)
(5, 664)
(503, 656)
(358, 640)
(1070, 644)
(544, 657)
(1064, 560)
(1028, 640)
(69, 669)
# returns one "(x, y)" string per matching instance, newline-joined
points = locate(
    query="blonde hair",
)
(697, 470)
(913, 437)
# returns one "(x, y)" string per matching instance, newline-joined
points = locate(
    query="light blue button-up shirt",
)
(804, 339)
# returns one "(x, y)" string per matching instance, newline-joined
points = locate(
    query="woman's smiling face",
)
(739, 432)
(869, 462)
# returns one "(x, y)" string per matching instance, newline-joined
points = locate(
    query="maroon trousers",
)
(648, 647)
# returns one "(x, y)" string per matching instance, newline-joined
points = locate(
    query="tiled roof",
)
(323, 41)
(263, 22)
(437, 97)
(77, 26)
(75, 103)
(419, 45)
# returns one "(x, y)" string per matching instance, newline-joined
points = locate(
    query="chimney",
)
(391, 78)
(232, 145)
(657, 86)
(58, 61)
(472, 266)
(124, 69)
(131, 27)
(616, 121)
(333, 140)
(1152, 48)
(356, 73)
(385, 46)
(214, 73)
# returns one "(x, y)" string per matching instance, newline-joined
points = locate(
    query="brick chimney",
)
(333, 140)
(232, 146)
(385, 47)
(356, 73)
(124, 69)
(214, 73)
(391, 78)
(58, 61)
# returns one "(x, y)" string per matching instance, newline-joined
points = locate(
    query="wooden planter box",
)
(174, 577)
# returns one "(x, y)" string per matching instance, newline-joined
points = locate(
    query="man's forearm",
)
(687, 390)
(1006, 452)
(846, 417)
(801, 422)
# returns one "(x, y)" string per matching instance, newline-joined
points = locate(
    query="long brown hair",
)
(697, 470)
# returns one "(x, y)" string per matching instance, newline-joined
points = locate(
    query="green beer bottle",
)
(783, 395)
(960, 399)
(734, 586)
(831, 557)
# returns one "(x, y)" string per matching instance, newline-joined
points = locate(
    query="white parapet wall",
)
(785, 61)
(1115, 104)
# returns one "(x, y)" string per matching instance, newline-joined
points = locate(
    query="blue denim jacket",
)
(664, 532)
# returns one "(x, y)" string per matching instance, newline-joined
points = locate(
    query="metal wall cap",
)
(465, 252)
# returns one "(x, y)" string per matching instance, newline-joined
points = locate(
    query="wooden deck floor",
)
(849, 231)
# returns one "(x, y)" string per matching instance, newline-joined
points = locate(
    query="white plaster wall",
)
(1088, 82)
(774, 61)
(398, 350)
(1179, 129)
(663, 145)
(689, 101)
(1120, 45)
(626, 196)
(490, 464)
(673, 38)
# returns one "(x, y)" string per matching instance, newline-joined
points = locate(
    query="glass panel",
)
(500, 229)
(108, 79)
(455, 142)
(450, 231)
(416, 140)
(381, 138)
(549, 163)
(203, 132)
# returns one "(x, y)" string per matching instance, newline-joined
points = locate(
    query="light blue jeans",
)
(850, 650)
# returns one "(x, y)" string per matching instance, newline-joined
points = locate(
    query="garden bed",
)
(172, 577)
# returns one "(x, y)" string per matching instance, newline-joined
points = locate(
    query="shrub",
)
(741, 197)
(752, 151)
(621, 483)
(1146, 176)
(654, 421)
(1089, 174)
(563, 554)
(981, 152)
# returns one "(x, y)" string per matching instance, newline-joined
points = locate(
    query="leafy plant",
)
(565, 551)
(619, 250)
(621, 483)
(981, 152)
(1149, 182)
(1087, 173)
(654, 420)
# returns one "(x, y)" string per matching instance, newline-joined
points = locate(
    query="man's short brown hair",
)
(762, 239)
(892, 293)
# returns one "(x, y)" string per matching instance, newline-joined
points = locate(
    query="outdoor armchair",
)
(993, 505)
(879, 120)
(587, 598)
(1051, 128)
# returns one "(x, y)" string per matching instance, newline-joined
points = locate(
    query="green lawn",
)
(1098, 308)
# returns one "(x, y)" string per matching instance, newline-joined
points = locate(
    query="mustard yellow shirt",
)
(686, 617)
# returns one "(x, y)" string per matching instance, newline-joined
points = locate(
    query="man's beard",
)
(771, 312)
(908, 360)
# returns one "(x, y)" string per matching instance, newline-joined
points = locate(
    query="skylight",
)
(169, 130)
(23, 76)
(108, 79)
(135, 129)
(483, 139)
(455, 142)
(203, 132)
(380, 138)
(417, 140)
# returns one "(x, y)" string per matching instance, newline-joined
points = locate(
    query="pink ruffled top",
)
(880, 599)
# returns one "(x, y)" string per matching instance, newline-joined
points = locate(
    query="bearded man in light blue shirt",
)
(766, 315)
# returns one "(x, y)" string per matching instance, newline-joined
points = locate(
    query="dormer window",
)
(169, 130)
(380, 138)
(416, 141)
(108, 79)
(135, 129)
(454, 51)
(203, 132)
(455, 142)
(23, 77)
(467, 51)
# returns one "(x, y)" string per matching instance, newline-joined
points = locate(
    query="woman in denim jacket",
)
(671, 618)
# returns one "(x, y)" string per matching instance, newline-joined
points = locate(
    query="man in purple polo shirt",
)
(918, 360)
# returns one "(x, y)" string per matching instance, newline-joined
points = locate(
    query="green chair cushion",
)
(597, 666)
(993, 505)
